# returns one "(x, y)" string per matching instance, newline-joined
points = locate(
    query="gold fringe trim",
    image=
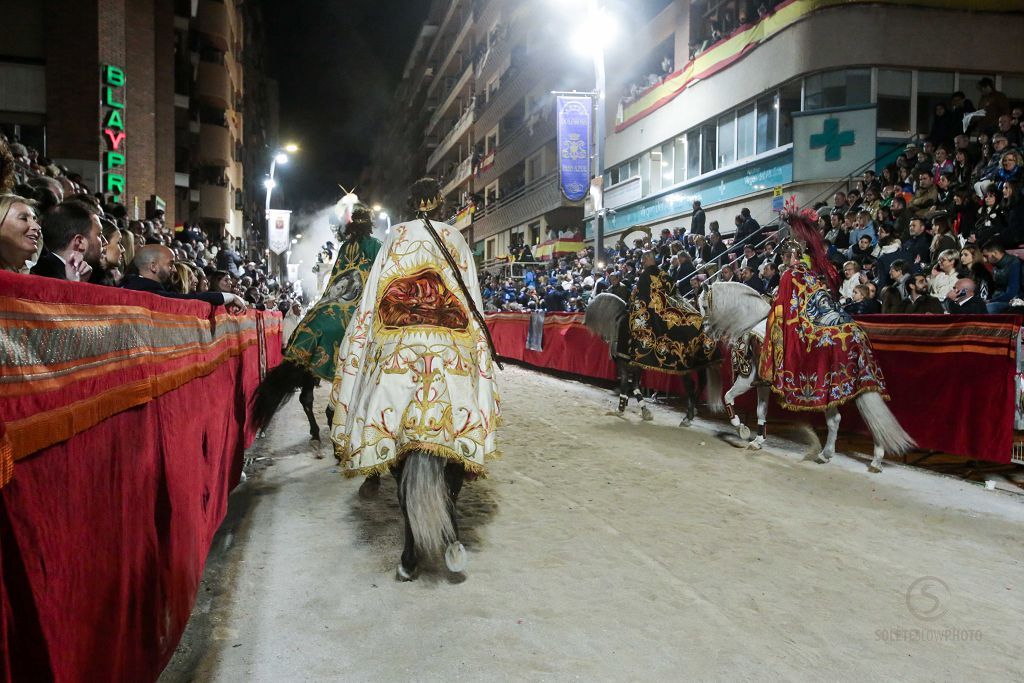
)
(830, 404)
(438, 450)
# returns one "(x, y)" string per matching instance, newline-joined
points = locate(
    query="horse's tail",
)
(713, 382)
(276, 388)
(427, 507)
(884, 427)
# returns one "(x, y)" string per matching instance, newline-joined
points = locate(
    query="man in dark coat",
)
(918, 299)
(698, 220)
(155, 263)
(74, 242)
(961, 299)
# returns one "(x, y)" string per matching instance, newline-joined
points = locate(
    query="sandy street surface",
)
(609, 549)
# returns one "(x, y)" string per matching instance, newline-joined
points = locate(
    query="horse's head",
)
(731, 309)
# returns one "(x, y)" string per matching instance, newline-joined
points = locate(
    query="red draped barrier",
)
(951, 378)
(104, 535)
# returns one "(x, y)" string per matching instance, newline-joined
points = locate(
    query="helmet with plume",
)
(805, 238)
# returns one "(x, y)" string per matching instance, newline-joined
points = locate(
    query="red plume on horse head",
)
(803, 226)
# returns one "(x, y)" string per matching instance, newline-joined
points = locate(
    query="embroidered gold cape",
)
(414, 371)
(664, 334)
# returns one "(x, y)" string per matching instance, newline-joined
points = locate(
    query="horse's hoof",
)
(403, 575)
(262, 434)
(685, 422)
(744, 431)
(874, 469)
(455, 558)
(646, 413)
(369, 487)
(756, 444)
(823, 458)
(316, 445)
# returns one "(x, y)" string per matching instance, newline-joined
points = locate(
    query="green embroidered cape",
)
(314, 343)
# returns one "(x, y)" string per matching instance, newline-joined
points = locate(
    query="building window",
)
(894, 99)
(667, 165)
(534, 233)
(789, 104)
(679, 157)
(746, 123)
(767, 123)
(535, 166)
(708, 151)
(837, 89)
(726, 140)
(693, 154)
(933, 87)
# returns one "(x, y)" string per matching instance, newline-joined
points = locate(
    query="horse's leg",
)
(877, 457)
(370, 486)
(763, 394)
(624, 372)
(407, 566)
(741, 386)
(636, 375)
(832, 418)
(455, 554)
(306, 400)
(691, 399)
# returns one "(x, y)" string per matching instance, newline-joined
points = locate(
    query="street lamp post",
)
(598, 196)
(270, 183)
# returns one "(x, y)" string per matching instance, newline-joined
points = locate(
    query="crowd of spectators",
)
(936, 231)
(52, 226)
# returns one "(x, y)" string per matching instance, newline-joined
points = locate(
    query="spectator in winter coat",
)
(918, 300)
(1005, 276)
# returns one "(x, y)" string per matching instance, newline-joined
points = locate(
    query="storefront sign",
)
(113, 131)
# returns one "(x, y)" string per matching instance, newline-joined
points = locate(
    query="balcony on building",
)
(452, 137)
(213, 23)
(214, 145)
(213, 85)
(215, 203)
(523, 204)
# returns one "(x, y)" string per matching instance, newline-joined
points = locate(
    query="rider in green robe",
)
(314, 343)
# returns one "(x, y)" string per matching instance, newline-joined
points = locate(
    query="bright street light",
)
(598, 30)
(383, 214)
(269, 184)
(281, 158)
(291, 147)
(377, 207)
(298, 237)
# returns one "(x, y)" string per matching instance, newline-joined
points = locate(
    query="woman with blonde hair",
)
(183, 279)
(20, 235)
(944, 277)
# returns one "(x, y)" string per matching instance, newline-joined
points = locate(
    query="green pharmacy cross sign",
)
(832, 139)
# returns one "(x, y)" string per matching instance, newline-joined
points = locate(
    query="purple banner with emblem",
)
(574, 115)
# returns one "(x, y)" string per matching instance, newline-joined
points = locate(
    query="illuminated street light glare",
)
(298, 237)
(598, 30)
(377, 207)
(291, 147)
(269, 183)
(383, 214)
(281, 158)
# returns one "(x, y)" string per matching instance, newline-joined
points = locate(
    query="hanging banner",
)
(573, 116)
(278, 233)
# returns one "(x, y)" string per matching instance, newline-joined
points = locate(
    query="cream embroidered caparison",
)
(414, 371)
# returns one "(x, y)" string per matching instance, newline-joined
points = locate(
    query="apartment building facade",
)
(144, 99)
(758, 107)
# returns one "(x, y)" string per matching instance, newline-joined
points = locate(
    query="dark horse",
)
(607, 316)
(277, 387)
(428, 488)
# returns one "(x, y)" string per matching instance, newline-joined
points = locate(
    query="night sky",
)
(337, 63)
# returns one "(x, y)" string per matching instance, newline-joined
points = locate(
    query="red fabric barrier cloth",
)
(951, 378)
(103, 537)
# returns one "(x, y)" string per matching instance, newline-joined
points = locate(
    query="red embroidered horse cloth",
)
(814, 355)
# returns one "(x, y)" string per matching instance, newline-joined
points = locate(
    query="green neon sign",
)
(113, 131)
